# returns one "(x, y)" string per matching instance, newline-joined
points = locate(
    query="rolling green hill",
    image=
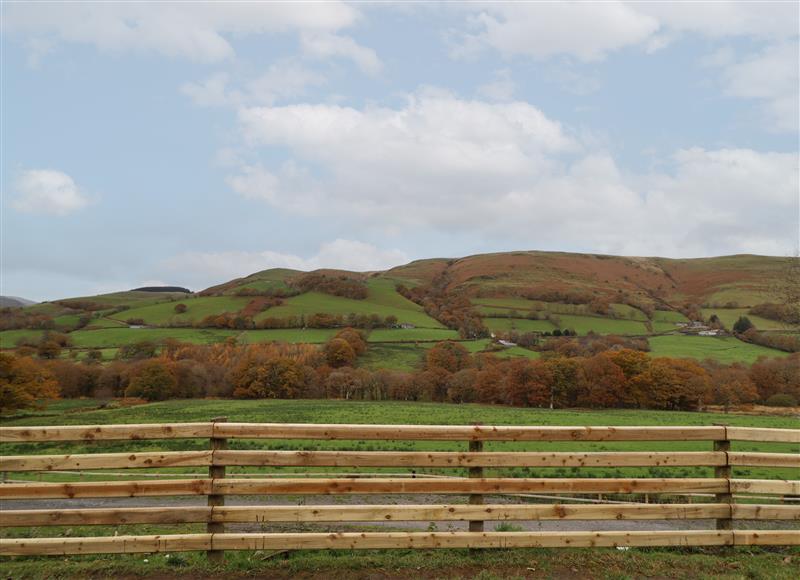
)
(519, 292)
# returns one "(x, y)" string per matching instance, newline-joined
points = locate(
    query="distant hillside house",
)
(506, 343)
(406, 325)
(710, 332)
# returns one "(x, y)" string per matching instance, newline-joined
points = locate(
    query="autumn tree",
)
(271, 379)
(339, 353)
(153, 381)
(23, 383)
(448, 355)
(180, 308)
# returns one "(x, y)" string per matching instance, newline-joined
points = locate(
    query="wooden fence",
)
(724, 488)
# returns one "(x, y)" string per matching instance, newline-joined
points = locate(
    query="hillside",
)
(14, 302)
(406, 309)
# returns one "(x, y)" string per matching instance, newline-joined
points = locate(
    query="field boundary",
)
(476, 487)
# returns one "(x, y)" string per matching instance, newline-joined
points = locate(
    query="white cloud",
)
(207, 268)
(325, 45)
(197, 31)
(282, 80)
(473, 168)
(47, 191)
(587, 31)
(500, 89)
(772, 77)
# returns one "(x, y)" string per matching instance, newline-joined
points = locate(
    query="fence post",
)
(216, 472)
(724, 472)
(476, 498)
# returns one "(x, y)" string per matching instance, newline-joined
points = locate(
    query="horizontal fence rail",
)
(478, 488)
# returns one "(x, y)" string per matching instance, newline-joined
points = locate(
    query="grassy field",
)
(411, 334)
(393, 412)
(9, 338)
(518, 324)
(729, 316)
(583, 324)
(132, 299)
(665, 320)
(740, 563)
(725, 349)
(111, 337)
(197, 309)
(382, 300)
(515, 564)
(307, 335)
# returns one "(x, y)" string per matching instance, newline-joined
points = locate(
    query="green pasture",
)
(627, 311)
(411, 334)
(665, 320)
(729, 316)
(133, 299)
(518, 324)
(393, 412)
(297, 335)
(382, 300)
(9, 338)
(726, 350)
(273, 279)
(583, 324)
(405, 357)
(197, 308)
(112, 337)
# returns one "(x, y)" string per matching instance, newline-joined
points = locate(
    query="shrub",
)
(781, 400)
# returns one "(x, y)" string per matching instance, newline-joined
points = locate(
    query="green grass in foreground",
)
(684, 563)
(393, 412)
(726, 350)
(774, 563)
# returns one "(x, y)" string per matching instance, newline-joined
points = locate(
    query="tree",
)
(448, 355)
(153, 381)
(280, 378)
(180, 308)
(23, 383)
(339, 353)
(742, 325)
(48, 349)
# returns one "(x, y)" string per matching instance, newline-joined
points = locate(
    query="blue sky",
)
(189, 143)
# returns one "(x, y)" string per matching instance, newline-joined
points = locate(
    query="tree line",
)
(603, 373)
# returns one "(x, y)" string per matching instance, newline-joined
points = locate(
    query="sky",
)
(191, 143)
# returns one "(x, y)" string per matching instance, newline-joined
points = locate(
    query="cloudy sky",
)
(191, 143)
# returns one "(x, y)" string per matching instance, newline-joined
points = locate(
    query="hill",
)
(14, 302)
(478, 299)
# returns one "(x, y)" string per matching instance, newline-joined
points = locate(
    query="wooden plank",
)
(765, 459)
(767, 486)
(766, 537)
(765, 512)
(465, 512)
(461, 459)
(106, 432)
(104, 516)
(464, 432)
(104, 545)
(764, 434)
(377, 540)
(105, 461)
(466, 486)
(169, 487)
